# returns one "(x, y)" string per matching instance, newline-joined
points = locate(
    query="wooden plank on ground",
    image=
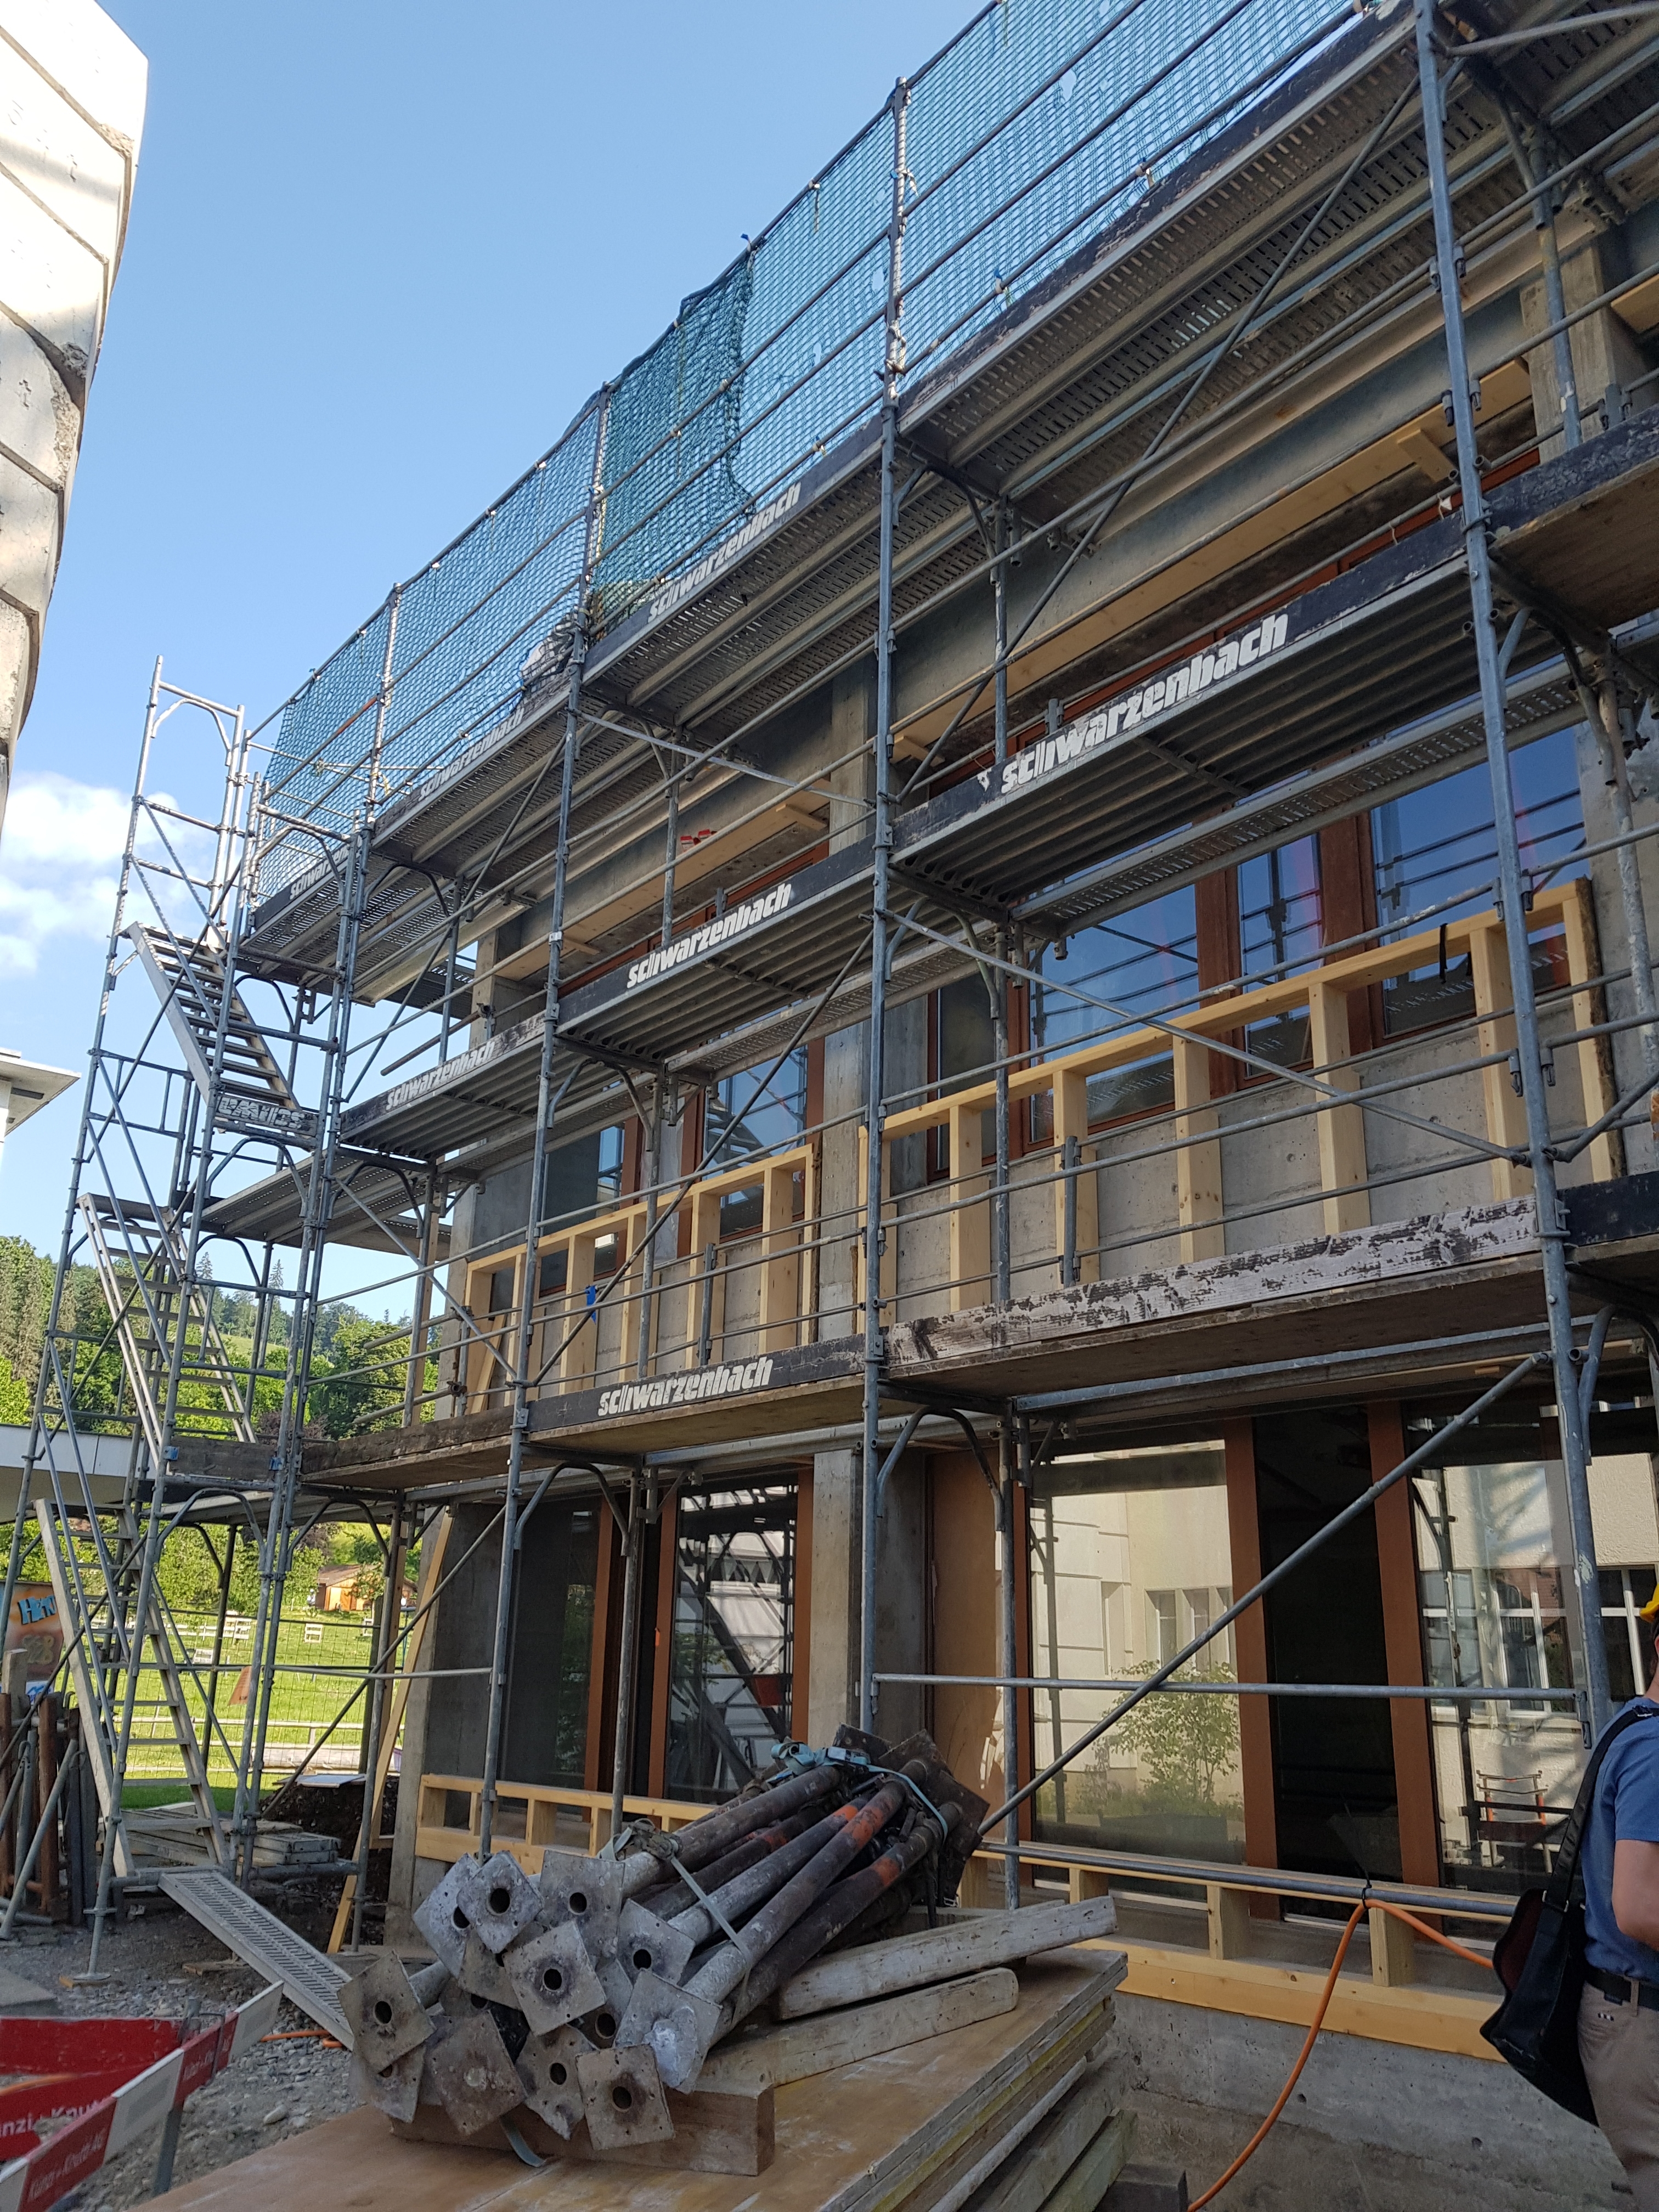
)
(837, 2135)
(938, 1954)
(802, 2048)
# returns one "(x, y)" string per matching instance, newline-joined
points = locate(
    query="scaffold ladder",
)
(249, 1089)
(90, 1627)
(141, 1269)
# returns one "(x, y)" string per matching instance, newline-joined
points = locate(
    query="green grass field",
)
(304, 1702)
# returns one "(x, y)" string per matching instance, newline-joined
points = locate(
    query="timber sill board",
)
(1418, 2018)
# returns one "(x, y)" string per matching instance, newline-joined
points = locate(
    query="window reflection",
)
(732, 1658)
(1129, 1558)
(1145, 962)
(1436, 847)
(1492, 1537)
(1280, 929)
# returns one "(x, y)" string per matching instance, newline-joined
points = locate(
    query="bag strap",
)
(1564, 1879)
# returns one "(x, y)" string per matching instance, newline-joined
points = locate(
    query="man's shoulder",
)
(1635, 1748)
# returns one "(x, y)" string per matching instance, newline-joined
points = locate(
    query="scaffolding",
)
(1023, 311)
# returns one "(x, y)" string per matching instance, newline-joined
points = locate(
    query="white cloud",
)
(60, 858)
(52, 820)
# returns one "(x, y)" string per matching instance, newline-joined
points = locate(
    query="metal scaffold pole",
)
(880, 945)
(274, 1559)
(1491, 659)
(544, 1109)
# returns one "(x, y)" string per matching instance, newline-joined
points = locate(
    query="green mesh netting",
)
(1033, 130)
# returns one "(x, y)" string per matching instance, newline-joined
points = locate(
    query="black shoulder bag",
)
(1539, 1960)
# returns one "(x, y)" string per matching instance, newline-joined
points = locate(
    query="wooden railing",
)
(1322, 994)
(565, 1319)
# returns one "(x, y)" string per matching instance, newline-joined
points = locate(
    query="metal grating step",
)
(309, 1979)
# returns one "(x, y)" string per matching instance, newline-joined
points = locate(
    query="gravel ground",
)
(275, 2089)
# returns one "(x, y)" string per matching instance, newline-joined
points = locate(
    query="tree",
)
(1184, 1743)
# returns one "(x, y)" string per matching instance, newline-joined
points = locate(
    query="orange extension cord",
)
(1394, 1911)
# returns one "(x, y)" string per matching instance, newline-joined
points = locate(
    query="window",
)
(545, 1736)
(1281, 931)
(732, 1663)
(1435, 849)
(742, 1121)
(1491, 1535)
(1143, 962)
(584, 1178)
(1114, 1538)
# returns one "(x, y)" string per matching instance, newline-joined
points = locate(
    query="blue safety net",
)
(1038, 126)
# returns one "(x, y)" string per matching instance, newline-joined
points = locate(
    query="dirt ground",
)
(275, 2089)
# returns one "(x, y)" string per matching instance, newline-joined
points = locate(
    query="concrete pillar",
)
(852, 725)
(901, 1615)
(832, 1680)
(1604, 350)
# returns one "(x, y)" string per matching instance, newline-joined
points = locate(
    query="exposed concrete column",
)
(1641, 1153)
(852, 725)
(832, 1687)
(901, 1617)
(1604, 350)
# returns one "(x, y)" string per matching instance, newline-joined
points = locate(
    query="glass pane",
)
(1144, 962)
(545, 1738)
(732, 1658)
(1280, 928)
(584, 1178)
(1435, 849)
(1490, 1536)
(1130, 1558)
(743, 1120)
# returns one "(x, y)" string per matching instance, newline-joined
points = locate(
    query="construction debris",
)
(584, 2010)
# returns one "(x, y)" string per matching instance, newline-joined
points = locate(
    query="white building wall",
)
(72, 93)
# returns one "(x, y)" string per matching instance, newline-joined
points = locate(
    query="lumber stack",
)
(644, 2007)
(177, 1835)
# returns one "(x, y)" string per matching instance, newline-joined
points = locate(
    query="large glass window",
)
(743, 1120)
(1145, 962)
(584, 1178)
(545, 1738)
(1130, 1558)
(1436, 848)
(1281, 931)
(1492, 1537)
(732, 1658)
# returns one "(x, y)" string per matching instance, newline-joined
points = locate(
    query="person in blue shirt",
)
(1618, 2013)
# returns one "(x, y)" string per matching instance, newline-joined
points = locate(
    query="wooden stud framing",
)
(1341, 1128)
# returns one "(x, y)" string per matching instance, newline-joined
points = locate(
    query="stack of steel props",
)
(586, 1995)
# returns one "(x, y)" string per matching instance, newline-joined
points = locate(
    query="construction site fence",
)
(1038, 126)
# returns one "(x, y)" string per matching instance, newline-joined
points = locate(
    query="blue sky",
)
(378, 256)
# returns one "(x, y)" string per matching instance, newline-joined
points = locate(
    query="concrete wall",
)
(71, 112)
(1371, 2126)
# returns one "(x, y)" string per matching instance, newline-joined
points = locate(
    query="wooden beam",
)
(800, 2048)
(1198, 1167)
(1506, 1117)
(1341, 1128)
